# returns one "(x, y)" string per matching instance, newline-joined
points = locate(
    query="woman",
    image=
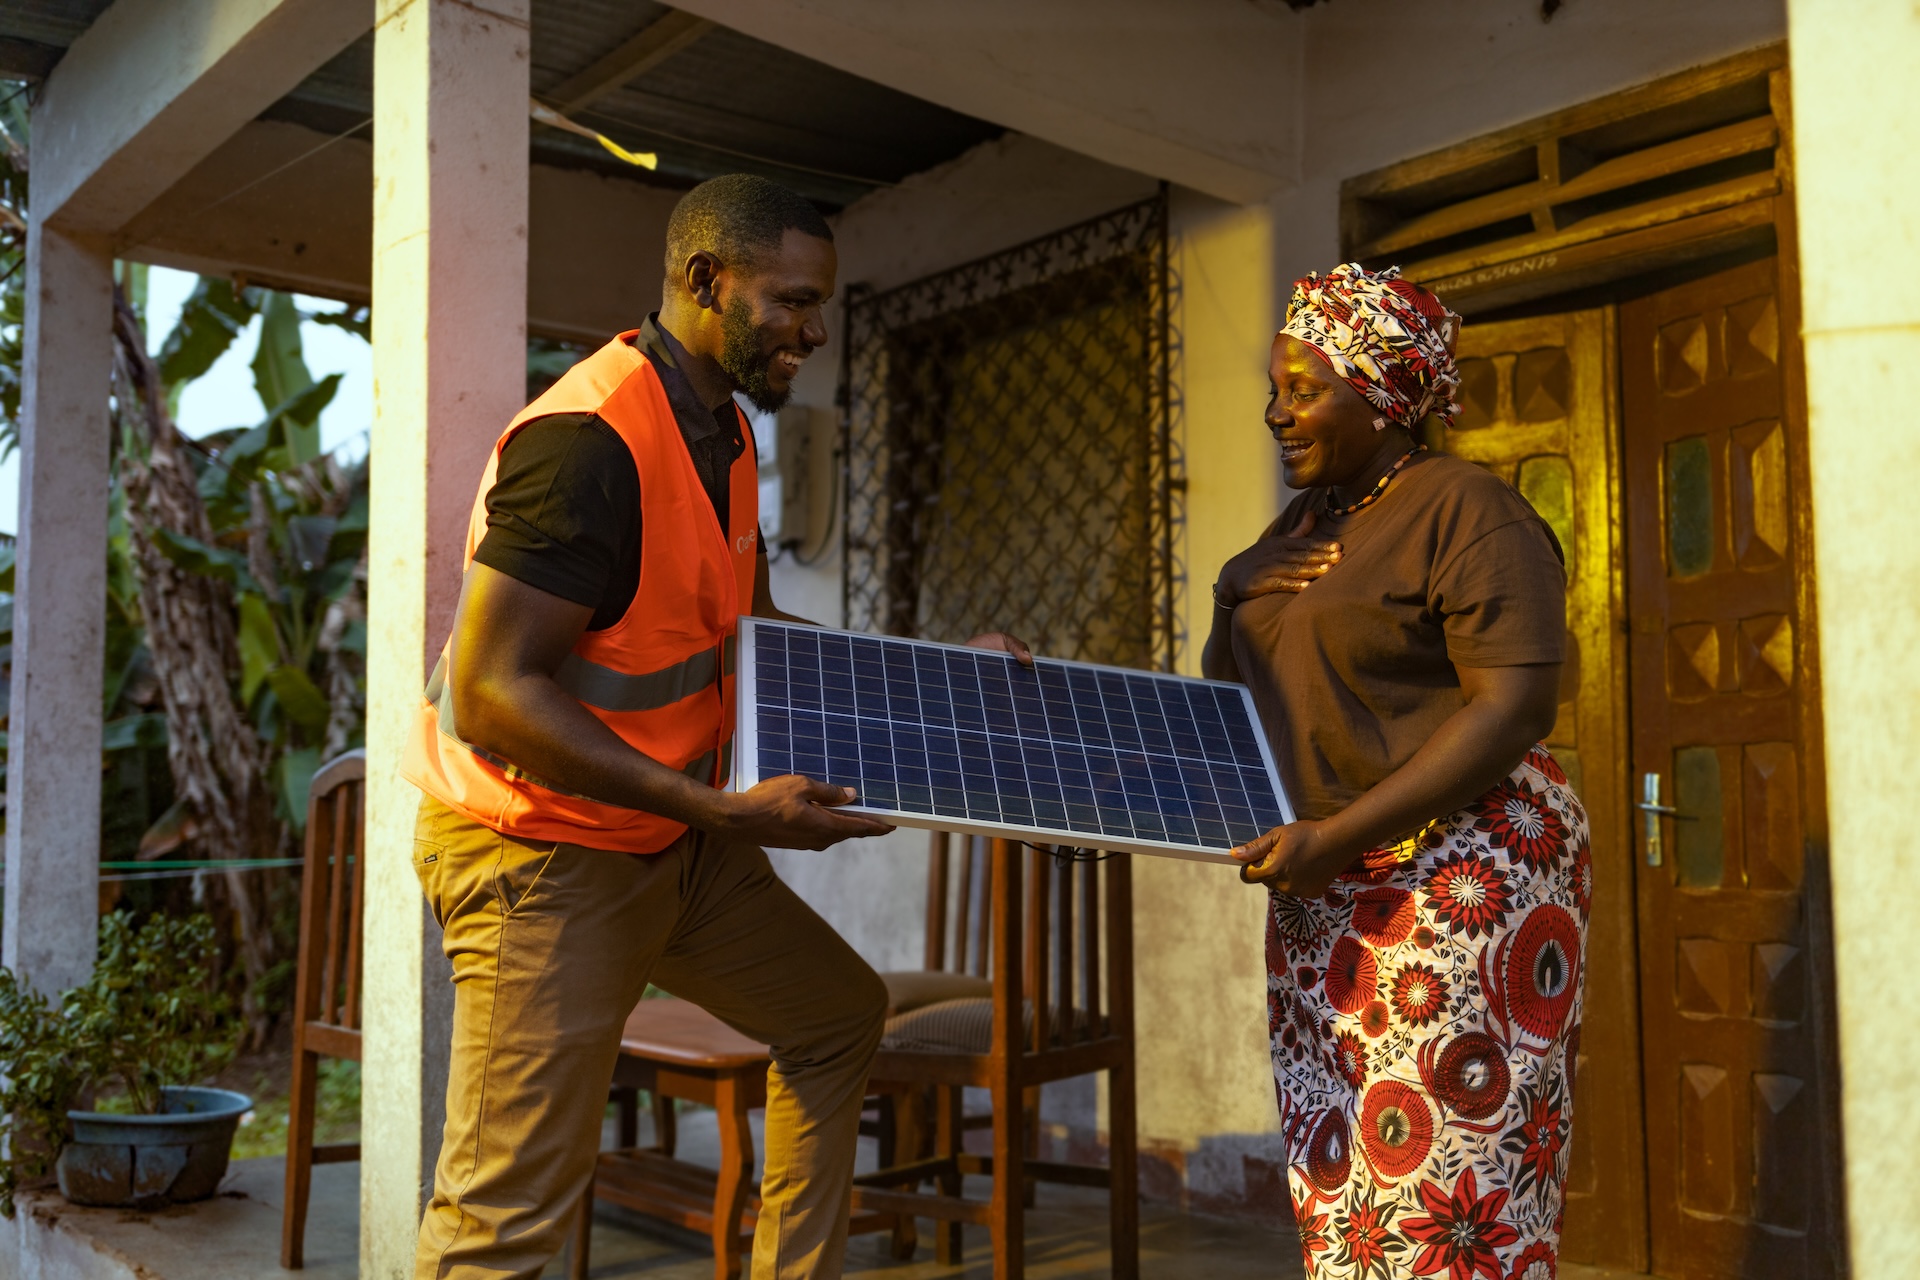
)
(1402, 626)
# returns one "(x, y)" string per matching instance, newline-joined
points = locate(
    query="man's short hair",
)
(738, 218)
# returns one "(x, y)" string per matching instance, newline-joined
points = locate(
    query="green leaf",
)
(148, 730)
(333, 581)
(299, 697)
(214, 315)
(279, 369)
(197, 557)
(305, 405)
(354, 519)
(248, 445)
(296, 425)
(350, 532)
(259, 644)
(296, 779)
(281, 378)
(308, 538)
(355, 320)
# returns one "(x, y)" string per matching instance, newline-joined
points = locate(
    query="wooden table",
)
(674, 1049)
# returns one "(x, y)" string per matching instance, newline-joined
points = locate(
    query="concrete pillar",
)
(449, 342)
(1855, 135)
(59, 618)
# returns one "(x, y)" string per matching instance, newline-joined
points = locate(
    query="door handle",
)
(1652, 811)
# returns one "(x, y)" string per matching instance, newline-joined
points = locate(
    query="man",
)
(573, 841)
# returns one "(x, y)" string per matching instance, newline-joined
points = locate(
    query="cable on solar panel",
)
(1064, 854)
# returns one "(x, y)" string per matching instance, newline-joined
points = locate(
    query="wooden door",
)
(1539, 410)
(1733, 946)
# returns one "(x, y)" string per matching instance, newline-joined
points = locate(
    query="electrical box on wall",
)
(804, 447)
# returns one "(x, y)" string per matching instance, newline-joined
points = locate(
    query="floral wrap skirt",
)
(1425, 1014)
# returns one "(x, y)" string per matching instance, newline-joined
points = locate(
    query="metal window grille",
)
(1010, 451)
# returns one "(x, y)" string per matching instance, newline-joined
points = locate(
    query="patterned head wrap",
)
(1388, 338)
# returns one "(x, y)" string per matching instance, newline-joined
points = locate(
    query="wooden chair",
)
(674, 1049)
(956, 973)
(326, 989)
(1042, 923)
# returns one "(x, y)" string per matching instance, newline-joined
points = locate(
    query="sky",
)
(224, 396)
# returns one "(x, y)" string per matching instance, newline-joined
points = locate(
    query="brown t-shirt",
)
(1354, 674)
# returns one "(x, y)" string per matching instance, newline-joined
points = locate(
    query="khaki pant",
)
(552, 946)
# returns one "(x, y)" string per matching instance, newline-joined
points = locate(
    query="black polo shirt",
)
(564, 511)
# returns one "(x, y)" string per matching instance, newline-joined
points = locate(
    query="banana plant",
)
(289, 527)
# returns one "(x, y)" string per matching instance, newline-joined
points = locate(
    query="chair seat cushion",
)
(908, 990)
(950, 1026)
(966, 1026)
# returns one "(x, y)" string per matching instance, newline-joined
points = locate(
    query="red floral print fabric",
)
(1425, 1014)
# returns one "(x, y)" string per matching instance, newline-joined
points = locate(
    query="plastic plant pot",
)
(138, 1161)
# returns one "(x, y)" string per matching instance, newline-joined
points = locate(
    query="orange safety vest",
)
(662, 676)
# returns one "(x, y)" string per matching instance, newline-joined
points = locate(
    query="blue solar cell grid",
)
(967, 739)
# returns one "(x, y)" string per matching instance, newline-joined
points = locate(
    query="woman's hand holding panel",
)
(1300, 858)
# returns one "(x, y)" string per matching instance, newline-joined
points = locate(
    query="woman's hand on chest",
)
(1288, 562)
(1301, 858)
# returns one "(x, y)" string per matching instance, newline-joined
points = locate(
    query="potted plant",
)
(133, 1039)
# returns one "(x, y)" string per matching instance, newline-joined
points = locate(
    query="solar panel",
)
(959, 739)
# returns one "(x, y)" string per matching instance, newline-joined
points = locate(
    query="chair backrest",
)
(971, 896)
(1066, 915)
(332, 896)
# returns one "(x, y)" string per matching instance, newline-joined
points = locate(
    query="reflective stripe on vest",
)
(610, 690)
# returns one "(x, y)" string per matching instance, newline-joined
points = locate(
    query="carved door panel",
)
(1729, 943)
(1539, 410)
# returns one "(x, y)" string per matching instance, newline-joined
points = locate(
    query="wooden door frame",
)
(1601, 508)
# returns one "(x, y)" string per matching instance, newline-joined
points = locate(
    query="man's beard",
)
(741, 358)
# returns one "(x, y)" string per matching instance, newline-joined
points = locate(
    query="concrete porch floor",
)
(236, 1236)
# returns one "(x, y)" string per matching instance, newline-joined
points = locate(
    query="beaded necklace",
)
(1378, 489)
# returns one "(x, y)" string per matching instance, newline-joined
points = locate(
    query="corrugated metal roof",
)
(727, 103)
(54, 22)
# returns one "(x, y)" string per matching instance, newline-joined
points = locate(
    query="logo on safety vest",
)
(744, 543)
